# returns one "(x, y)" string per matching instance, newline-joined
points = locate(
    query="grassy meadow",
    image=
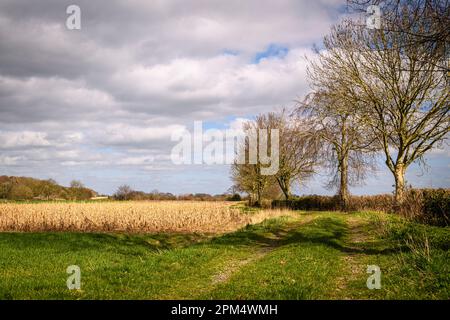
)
(216, 251)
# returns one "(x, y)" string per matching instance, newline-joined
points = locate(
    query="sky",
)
(100, 104)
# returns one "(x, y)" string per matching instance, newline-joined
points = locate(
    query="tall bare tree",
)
(348, 150)
(399, 89)
(249, 177)
(298, 149)
(298, 153)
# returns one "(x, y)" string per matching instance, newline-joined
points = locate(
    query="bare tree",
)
(298, 153)
(124, 192)
(348, 150)
(248, 177)
(76, 184)
(401, 95)
(298, 149)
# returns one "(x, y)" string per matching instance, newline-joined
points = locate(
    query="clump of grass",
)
(419, 251)
(424, 253)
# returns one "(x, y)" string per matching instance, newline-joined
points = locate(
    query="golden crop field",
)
(133, 217)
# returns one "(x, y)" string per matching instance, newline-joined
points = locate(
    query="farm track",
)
(276, 241)
(353, 267)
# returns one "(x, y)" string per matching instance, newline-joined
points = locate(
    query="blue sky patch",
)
(272, 51)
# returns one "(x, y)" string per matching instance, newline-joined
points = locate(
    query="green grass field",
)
(311, 256)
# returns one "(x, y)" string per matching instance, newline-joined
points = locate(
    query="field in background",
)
(131, 217)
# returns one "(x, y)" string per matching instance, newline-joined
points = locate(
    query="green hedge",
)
(433, 207)
(312, 202)
(430, 206)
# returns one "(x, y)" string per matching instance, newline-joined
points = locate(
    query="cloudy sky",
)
(100, 104)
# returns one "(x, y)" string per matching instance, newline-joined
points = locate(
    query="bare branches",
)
(399, 88)
(348, 147)
(381, 90)
(424, 23)
(298, 153)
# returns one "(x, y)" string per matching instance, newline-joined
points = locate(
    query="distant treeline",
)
(23, 188)
(125, 192)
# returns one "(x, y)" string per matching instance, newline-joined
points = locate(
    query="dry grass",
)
(132, 217)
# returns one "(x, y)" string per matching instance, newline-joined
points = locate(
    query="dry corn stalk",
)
(133, 217)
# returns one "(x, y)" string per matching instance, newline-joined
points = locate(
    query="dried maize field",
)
(130, 217)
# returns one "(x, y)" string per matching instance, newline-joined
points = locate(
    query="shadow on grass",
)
(122, 243)
(329, 231)
(326, 231)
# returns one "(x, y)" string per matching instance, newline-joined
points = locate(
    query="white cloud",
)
(9, 161)
(216, 86)
(136, 161)
(124, 134)
(10, 140)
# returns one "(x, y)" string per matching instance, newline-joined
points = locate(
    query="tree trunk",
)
(286, 191)
(251, 199)
(343, 187)
(259, 196)
(399, 175)
(285, 187)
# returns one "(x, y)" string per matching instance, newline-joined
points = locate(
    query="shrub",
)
(5, 189)
(20, 192)
(380, 202)
(430, 206)
(313, 202)
(235, 197)
(80, 193)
